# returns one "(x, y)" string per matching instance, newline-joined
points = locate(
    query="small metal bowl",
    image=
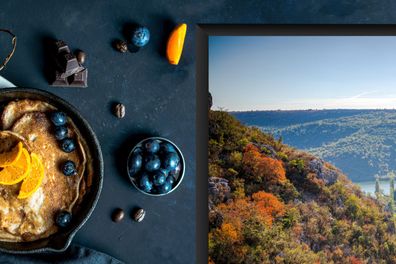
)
(133, 178)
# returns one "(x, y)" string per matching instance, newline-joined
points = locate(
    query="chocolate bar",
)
(62, 47)
(69, 72)
(70, 65)
(79, 79)
(59, 80)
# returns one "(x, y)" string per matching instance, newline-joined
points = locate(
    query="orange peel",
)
(33, 181)
(10, 157)
(18, 171)
(175, 44)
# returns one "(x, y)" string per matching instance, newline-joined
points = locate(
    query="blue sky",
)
(269, 73)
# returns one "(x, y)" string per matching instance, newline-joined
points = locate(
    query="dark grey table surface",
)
(159, 98)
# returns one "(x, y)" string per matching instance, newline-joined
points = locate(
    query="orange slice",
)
(175, 45)
(18, 171)
(33, 181)
(10, 157)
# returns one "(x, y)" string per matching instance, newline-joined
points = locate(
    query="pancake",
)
(33, 218)
(9, 139)
(15, 109)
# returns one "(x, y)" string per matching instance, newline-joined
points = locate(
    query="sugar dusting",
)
(36, 200)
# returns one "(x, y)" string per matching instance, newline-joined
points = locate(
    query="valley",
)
(362, 143)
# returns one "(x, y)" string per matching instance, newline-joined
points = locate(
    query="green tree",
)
(299, 164)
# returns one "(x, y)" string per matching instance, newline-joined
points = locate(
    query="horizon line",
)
(305, 109)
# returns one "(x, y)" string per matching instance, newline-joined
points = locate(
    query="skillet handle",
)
(60, 242)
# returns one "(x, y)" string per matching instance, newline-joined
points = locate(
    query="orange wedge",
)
(33, 181)
(175, 45)
(18, 171)
(10, 157)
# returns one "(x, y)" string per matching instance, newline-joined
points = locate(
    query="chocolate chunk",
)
(70, 65)
(62, 47)
(69, 72)
(59, 80)
(80, 79)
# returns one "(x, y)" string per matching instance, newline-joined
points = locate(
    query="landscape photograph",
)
(302, 149)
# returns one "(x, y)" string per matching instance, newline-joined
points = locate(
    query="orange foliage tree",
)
(263, 205)
(261, 168)
(268, 206)
(355, 260)
(228, 242)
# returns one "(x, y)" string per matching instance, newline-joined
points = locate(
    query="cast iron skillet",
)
(61, 240)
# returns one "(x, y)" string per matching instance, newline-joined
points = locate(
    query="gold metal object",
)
(14, 42)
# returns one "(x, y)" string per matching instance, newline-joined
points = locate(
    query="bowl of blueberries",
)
(156, 166)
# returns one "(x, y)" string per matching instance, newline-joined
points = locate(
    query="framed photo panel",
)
(301, 143)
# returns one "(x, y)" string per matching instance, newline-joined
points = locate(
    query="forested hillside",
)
(360, 142)
(271, 203)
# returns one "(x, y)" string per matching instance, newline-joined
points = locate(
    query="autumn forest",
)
(272, 203)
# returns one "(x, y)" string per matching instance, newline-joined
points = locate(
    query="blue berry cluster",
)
(59, 119)
(155, 166)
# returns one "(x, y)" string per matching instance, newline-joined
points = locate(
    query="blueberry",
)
(171, 180)
(144, 183)
(165, 188)
(167, 147)
(140, 36)
(63, 219)
(135, 163)
(58, 118)
(68, 145)
(159, 178)
(175, 172)
(171, 160)
(69, 168)
(152, 162)
(60, 132)
(138, 150)
(165, 172)
(152, 146)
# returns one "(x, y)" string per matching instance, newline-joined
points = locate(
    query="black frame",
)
(203, 31)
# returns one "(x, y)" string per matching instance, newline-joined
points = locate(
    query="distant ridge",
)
(360, 142)
(290, 117)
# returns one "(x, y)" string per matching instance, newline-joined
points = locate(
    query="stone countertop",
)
(159, 100)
